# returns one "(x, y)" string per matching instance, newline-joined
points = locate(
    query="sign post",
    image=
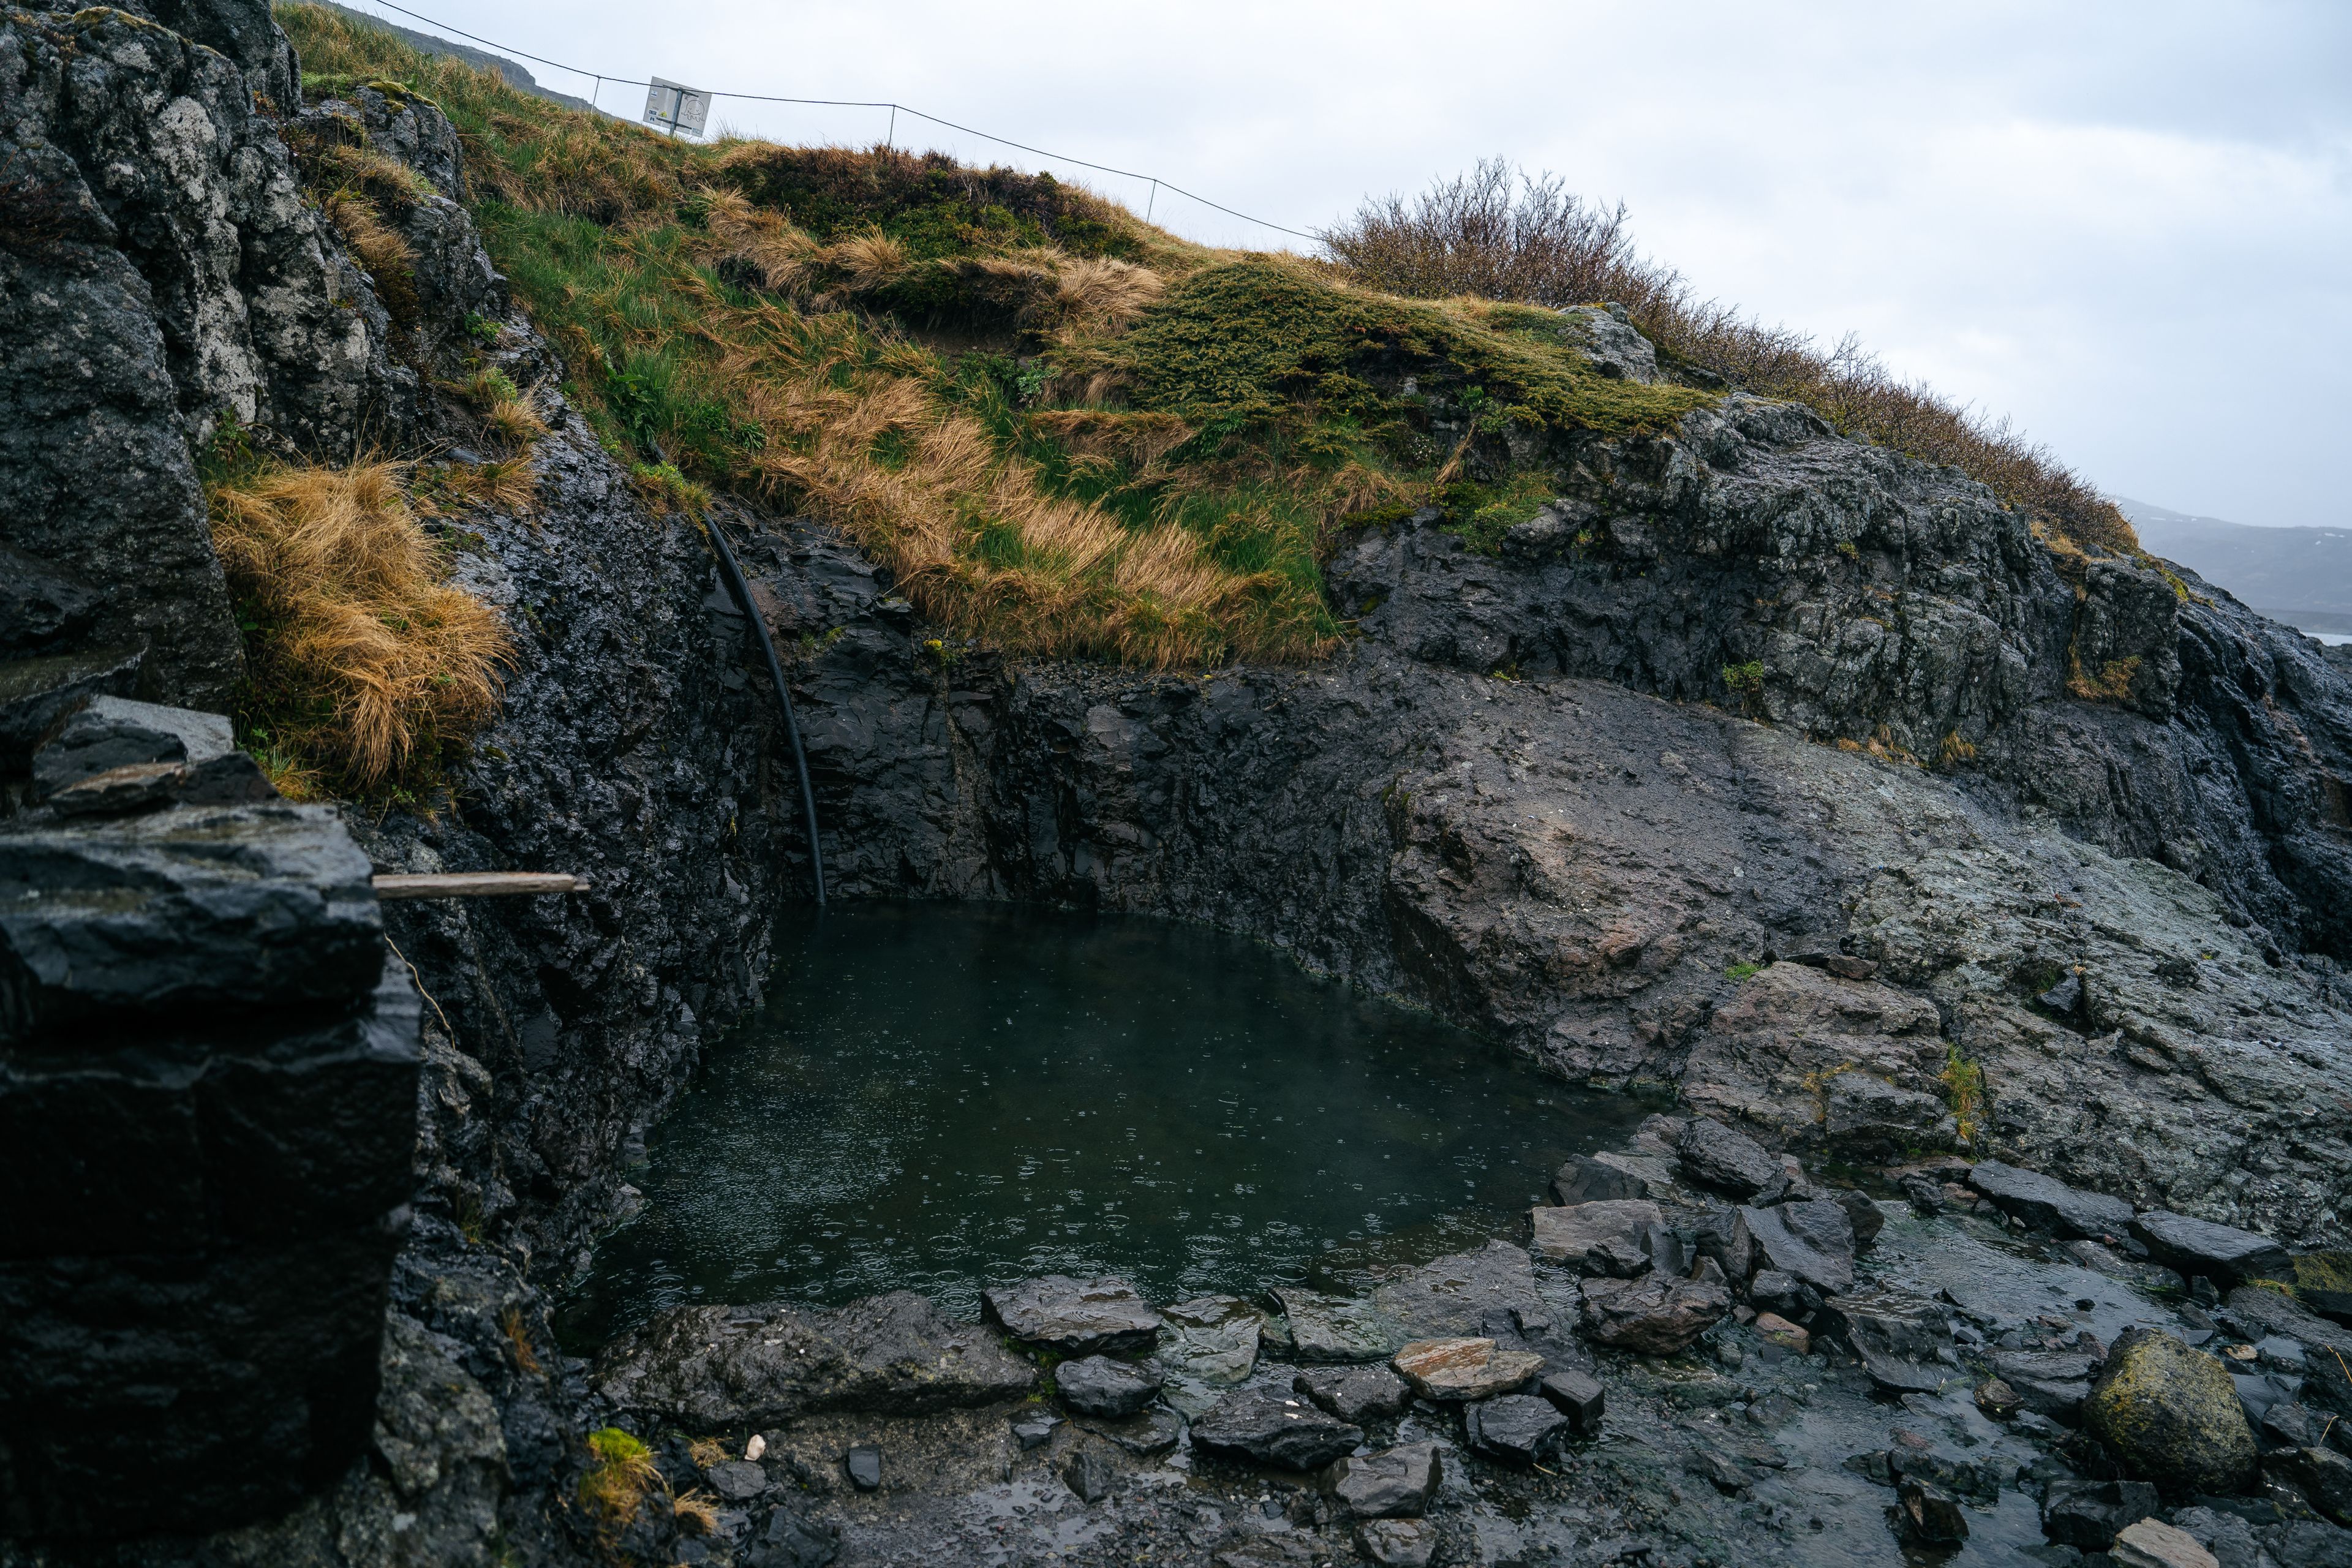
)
(677, 106)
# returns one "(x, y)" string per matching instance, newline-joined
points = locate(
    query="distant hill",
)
(2299, 575)
(516, 76)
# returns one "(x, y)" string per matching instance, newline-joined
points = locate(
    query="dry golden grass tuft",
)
(379, 249)
(365, 660)
(621, 1474)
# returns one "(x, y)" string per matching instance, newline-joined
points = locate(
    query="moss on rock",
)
(2171, 1415)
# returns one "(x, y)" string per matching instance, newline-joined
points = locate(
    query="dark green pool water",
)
(941, 1097)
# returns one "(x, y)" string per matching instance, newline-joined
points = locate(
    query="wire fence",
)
(599, 80)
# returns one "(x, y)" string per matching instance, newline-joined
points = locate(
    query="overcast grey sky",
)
(2127, 226)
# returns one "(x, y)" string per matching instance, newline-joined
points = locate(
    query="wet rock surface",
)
(2171, 1415)
(1073, 1317)
(1264, 1427)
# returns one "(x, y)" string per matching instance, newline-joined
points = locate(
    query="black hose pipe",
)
(742, 594)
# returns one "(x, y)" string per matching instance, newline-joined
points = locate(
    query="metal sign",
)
(677, 106)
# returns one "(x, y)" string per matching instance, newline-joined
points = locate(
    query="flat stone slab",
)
(1266, 1428)
(1332, 1327)
(2049, 1204)
(2222, 1253)
(1654, 1315)
(1394, 1483)
(1579, 1397)
(1212, 1338)
(1602, 1237)
(1076, 1317)
(1464, 1369)
(1097, 1385)
(1354, 1394)
(1713, 1155)
(1809, 1241)
(713, 1367)
(1516, 1429)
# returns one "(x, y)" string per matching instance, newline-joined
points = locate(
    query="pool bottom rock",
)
(1867, 1426)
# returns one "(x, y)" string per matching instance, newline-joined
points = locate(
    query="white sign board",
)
(677, 106)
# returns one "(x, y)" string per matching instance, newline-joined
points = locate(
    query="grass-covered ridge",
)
(1067, 431)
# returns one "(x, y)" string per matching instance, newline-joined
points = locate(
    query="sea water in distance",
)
(941, 1097)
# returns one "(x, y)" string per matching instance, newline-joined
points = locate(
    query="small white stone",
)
(755, 1448)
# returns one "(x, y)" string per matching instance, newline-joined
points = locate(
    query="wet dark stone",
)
(2049, 1383)
(1897, 1337)
(2047, 1204)
(1516, 1429)
(2085, 1515)
(2220, 1252)
(1931, 1513)
(2321, 1474)
(1154, 1432)
(1097, 1385)
(1717, 1156)
(864, 1464)
(1036, 1428)
(1393, 1483)
(1090, 1474)
(1585, 1180)
(1579, 1397)
(792, 1540)
(1864, 1216)
(1654, 1315)
(1397, 1543)
(1267, 1429)
(737, 1480)
(1332, 1328)
(1811, 1241)
(1076, 1317)
(110, 733)
(1355, 1395)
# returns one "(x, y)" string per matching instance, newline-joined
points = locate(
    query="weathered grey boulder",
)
(1585, 1180)
(1618, 349)
(1464, 1369)
(1867, 1218)
(1518, 1428)
(1264, 1428)
(2322, 1475)
(1494, 1290)
(715, 1367)
(1654, 1315)
(112, 732)
(1813, 1242)
(1713, 1155)
(2048, 1383)
(1332, 1327)
(1897, 1336)
(1604, 1237)
(1097, 1385)
(2223, 1253)
(1390, 1483)
(2171, 1415)
(1212, 1338)
(1076, 1317)
(2087, 1515)
(1397, 1543)
(2049, 1204)
(1356, 1395)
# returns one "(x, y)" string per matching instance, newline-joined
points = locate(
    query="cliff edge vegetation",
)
(1064, 430)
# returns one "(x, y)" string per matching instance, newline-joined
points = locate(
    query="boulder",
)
(1713, 1155)
(1930, 1514)
(2170, 1415)
(737, 1480)
(1212, 1338)
(112, 732)
(1777, 1330)
(1724, 1237)
(2222, 1253)
(2087, 1515)
(1097, 1385)
(1332, 1327)
(1898, 1338)
(1652, 1316)
(1090, 1473)
(1585, 1180)
(1813, 1242)
(1491, 1292)
(1393, 1483)
(1397, 1543)
(1265, 1429)
(1076, 1317)
(1604, 1238)
(2048, 1383)
(1354, 1394)
(1462, 1369)
(709, 1368)
(1865, 1214)
(1516, 1429)
(2322, 1475)
(1034, 1428)
(1579, 1397)
(2047, 1204)
(2152, 1543)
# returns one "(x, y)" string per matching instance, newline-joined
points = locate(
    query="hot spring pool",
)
(940, 1097)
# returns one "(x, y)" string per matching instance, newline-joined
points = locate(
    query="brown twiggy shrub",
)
(364, 657)
(1500, 234)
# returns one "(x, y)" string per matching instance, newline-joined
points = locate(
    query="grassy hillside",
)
(1067, 431)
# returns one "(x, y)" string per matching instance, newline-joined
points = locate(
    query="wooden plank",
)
(477, 884)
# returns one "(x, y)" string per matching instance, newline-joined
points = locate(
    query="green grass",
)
(1067, 431)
